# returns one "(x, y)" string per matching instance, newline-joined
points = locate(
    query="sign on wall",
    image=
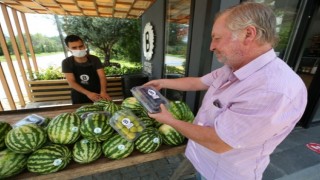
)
(148, 47)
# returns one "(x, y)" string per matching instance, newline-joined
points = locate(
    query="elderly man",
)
(252, 103)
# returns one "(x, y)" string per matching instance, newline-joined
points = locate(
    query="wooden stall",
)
(74, 170)
(52, 90)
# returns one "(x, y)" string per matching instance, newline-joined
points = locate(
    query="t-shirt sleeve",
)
(97, 62)
(66, 66)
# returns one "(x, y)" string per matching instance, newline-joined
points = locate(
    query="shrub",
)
(51, 73)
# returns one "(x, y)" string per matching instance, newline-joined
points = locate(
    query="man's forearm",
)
(184, 84)
(77, 87)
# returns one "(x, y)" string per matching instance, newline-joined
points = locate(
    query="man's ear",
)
(251, 33)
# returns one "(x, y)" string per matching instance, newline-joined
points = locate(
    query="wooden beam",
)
(29, 41)
(2, 77)
(24, 51)
(17, 54)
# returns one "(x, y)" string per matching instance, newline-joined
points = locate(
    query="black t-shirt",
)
(85, 75)
(69, 63)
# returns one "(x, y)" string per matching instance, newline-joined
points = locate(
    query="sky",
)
(37, 23)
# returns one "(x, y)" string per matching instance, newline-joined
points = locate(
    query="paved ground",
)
(292, 160)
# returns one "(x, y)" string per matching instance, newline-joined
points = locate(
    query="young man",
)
(252, 103)
(84, 73)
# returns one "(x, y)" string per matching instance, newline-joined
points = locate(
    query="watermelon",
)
(88, 108)
(85, 151)
(132, 104)
(170, 136)
(11, 163)
(96, 127)
(4, 129)
(49, 159)
(111, 107)
(149, 141)
(148, 121)
(102, 102)
(180, 110)
(117, 147)
(64, 128)
(26, 138)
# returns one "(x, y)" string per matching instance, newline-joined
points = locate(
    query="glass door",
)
(308, 69)
(176, 43)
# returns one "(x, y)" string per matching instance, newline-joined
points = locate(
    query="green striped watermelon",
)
(26, 138)
(49, 159)
(96, 127)
(111, 107)
(117, 147)
(64, 128)
(147, 121)
(11, 163)
(170, 136)
(88, 108)
(102, 102)
(149, 141)
(4, 129)
(180, 110)
(132, 104)
(85, 151)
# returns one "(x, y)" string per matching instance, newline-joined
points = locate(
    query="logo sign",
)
(314, 147)
(148, 41)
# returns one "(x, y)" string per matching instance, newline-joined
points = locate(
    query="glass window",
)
(285, 11)
(176, 42)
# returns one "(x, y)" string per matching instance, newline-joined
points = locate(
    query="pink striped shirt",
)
(252, 109)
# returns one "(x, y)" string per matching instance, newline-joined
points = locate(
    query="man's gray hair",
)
(253, 14)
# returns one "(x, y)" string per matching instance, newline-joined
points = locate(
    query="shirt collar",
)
(255, 65)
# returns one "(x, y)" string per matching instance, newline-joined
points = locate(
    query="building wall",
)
(156, 16)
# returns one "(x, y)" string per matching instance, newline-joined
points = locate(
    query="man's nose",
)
(212, 46)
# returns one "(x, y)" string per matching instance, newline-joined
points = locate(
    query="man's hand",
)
(93, 96)
(157, 84)
(105, 96)
(164, 116)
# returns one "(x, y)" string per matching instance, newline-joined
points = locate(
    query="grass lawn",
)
(13, 57)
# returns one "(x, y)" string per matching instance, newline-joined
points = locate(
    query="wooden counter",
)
(74, 170)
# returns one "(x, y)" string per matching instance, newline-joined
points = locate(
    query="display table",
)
(74, 170)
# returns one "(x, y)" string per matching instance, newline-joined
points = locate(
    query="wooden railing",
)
(52, 90)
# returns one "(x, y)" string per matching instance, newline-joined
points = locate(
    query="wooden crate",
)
(53, 90)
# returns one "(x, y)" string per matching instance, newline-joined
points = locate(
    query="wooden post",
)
(2, 77)
(24, 51)
(25, 25)
(17, 54)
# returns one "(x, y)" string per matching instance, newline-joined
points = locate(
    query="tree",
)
(101, 33)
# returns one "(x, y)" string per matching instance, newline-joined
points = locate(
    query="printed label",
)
(153, 94)
(156, 140)
(97, 130)
(74, 129)
(121, 147)
(57, 162)
(84, 141)
(127, 123)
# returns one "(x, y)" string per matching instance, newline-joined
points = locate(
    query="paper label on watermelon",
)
(97, 130)
(57, 162)
(121, 147)
(156, 140)
(74, 129)
(84, 141)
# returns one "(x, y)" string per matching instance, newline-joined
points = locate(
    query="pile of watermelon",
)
(84, 136)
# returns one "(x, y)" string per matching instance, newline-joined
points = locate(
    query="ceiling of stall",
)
(98, 8)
